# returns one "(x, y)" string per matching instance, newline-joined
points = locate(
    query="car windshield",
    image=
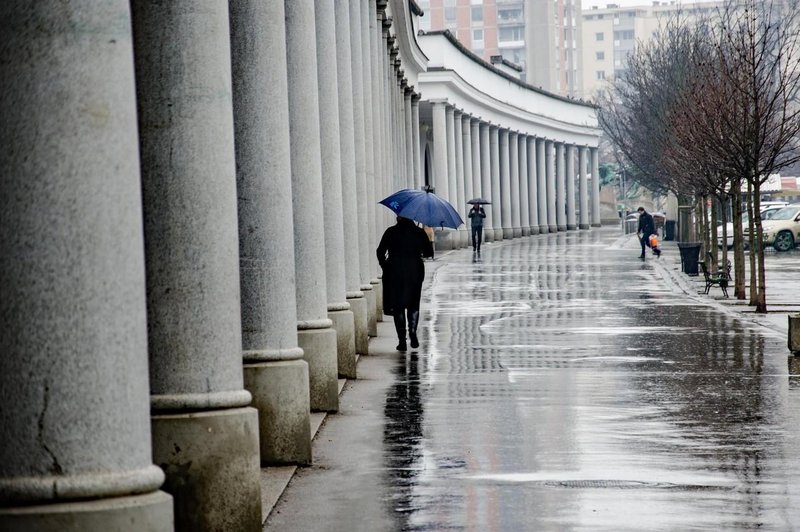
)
(786, 213)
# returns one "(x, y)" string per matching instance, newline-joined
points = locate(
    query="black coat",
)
(400, 255)
(646, 225)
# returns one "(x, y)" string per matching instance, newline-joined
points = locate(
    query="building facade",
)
(612, 33)
(543, 37)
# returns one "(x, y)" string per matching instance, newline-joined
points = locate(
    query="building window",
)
(477, 13)
(600, 74)
(626, 35)
(477, 35)
(598, 36)
(511, 34)
(600, 55)
(450, 14)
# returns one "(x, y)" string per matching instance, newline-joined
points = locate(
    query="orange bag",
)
(653, 241)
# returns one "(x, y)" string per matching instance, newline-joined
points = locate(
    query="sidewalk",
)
(783, 289)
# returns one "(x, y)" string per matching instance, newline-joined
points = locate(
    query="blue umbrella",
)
(423, 207)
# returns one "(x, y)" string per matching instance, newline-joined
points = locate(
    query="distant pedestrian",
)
(646, 228)
(477, 214)
(400, 255)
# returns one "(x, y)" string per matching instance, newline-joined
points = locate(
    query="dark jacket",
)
(646, 225)
(477, 216)
(400, 255)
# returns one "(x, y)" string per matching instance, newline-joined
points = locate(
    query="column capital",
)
(415, 97)
(381, 6)
(389, 38)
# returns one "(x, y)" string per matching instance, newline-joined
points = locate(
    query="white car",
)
(766, 213)
(782, 230)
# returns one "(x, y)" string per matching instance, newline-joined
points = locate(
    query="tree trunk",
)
(738, 242)
(761, 292)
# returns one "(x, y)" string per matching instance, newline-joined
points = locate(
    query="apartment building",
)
(612, 33)
(543, 37)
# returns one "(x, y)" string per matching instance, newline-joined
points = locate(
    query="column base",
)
(534, 230)
(543, 229)
(571, 227)
(344, 325)
(280, 394)
(377, 287)
(597, 225)
(552, 229)
(319, 350)
(211, 461)
(358, 306)
(584, 226)
(488, 235)
(516, 232)
(508, 233)
(151, 512)
(526, 231)
(372, 311)
(562, 227)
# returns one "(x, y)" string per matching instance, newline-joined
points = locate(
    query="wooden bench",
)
(716, 279)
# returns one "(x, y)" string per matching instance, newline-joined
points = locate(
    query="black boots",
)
(400, 327)
(413, 320)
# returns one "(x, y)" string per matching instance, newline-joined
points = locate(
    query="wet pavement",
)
(561, 384)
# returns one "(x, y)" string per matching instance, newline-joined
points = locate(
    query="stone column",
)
(533, 186)
(459, 200)
(354, 179)
(561, 189)
(497, 200)
(370, 131)
(486, 182)
(513, 162)
(505, 187)
(73, 364)
(469, 169)
(541, 180)
(595, 187)
(204, 435)
(415, 150)
(583, 193)
(359, 90)
(452, 177)
(314, 329)
(378, 212)
(475, 150)
(450, 194)
(275, 373)
(330, 155)
(550, 168)
(524, 214)
(440, 163)
(571, 224)
(409, 141)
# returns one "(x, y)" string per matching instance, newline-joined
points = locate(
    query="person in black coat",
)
(476, 215)
(400, 255)
(646, 228)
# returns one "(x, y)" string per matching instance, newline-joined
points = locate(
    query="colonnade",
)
(536, 184)
(189, 218)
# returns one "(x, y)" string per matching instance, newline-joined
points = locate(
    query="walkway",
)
(561, 385)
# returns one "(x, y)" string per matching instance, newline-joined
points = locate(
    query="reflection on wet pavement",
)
(562, 385)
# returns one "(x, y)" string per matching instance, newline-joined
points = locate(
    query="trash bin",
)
(690, 252)
(669, 230)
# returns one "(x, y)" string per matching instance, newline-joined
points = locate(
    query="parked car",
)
(782, 229)
(767, 211)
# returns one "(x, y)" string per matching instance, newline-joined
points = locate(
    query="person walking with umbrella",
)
(476, 215)
(400, 254)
